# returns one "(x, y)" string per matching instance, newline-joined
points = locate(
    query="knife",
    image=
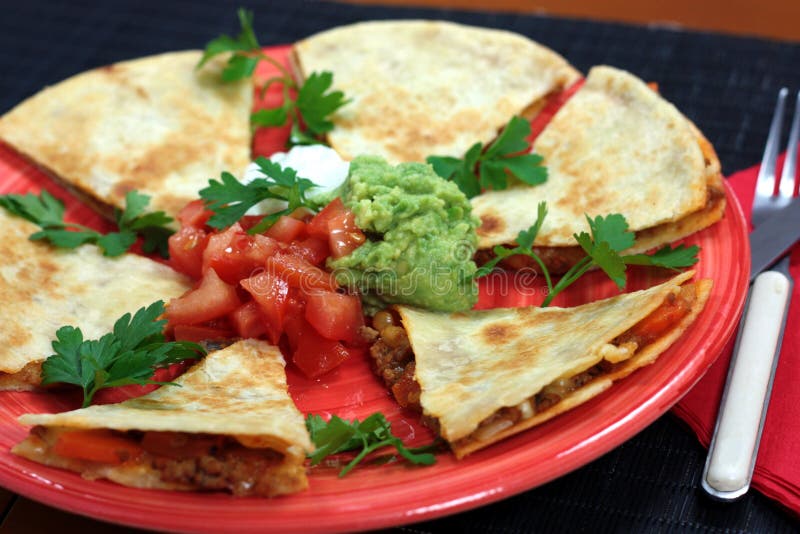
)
(734, 446)
(773, 237)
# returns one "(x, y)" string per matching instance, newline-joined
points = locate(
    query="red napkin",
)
(777, 472)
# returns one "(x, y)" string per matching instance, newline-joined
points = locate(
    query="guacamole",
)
(420, 237)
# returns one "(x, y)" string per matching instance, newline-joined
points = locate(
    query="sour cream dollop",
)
(319, 163)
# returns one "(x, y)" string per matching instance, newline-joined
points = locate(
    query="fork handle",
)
(733, 448)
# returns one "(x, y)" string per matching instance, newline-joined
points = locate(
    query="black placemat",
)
(726, 85)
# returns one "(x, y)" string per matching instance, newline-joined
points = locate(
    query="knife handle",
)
(734, 446)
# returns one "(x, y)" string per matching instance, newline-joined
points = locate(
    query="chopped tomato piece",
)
(345, 236)
(212, 299)
(314, 355)
(180, 445)
(286, 229)
(312, 249)
(234, 254)
(295, 312)
(319, 224)
(333, 315)
(300, 273)
(271, 294)
(337, 224)
(102, 446)
(195, 215)
(217, 243)
(186, 248)
(248, 321)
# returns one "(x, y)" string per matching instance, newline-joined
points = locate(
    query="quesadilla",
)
(481, 376)
(229, 424)
(420, 88)
(155, 124)
(615, 147)
(43, 289)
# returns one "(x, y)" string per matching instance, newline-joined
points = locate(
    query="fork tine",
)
(788, 176)
(765, 186)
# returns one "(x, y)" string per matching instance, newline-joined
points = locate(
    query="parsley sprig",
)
(127, 355)
(489, 169)
(230, 199)
(367, 436)
(47, 212)
(314, 101)
(608, 237)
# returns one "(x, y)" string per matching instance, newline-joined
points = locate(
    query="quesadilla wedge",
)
(229, 424)
(154, 124)
(43, 289)
(428, 87)
(615, 147)
(481, 376)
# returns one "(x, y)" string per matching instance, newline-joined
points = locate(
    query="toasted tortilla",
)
(44, 288)
(472, 365)
(154, 124)
(422, 88)
(239, 391)
(615, 147)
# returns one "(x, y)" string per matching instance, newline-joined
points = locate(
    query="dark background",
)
(726, 85)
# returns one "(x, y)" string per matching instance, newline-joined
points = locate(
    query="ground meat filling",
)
(196, 461)
(393, 361)
(216, 464)
(393, 358)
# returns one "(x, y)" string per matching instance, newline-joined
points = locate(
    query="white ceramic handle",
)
(735, 445)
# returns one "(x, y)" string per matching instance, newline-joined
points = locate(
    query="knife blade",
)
(773, 237)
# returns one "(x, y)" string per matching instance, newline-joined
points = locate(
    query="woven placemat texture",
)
(726, 85)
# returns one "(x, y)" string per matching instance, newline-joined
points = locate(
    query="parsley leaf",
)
(127, 355)
(339, 435)
(315, 102)
(607, 237)
(237, 67)
(524, 246)
(308, 113)
(230, 199)
(47, 212)
(670, 258)
(501, 158)
(612, 229)
(151, 226)
(44, 210)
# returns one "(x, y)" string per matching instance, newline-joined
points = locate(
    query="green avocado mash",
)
(420, 237)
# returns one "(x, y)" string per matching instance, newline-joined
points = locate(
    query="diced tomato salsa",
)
(270, 285)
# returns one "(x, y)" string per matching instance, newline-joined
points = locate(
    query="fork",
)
(734, 444)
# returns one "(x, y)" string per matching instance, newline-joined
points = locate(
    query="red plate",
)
(379, 496)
